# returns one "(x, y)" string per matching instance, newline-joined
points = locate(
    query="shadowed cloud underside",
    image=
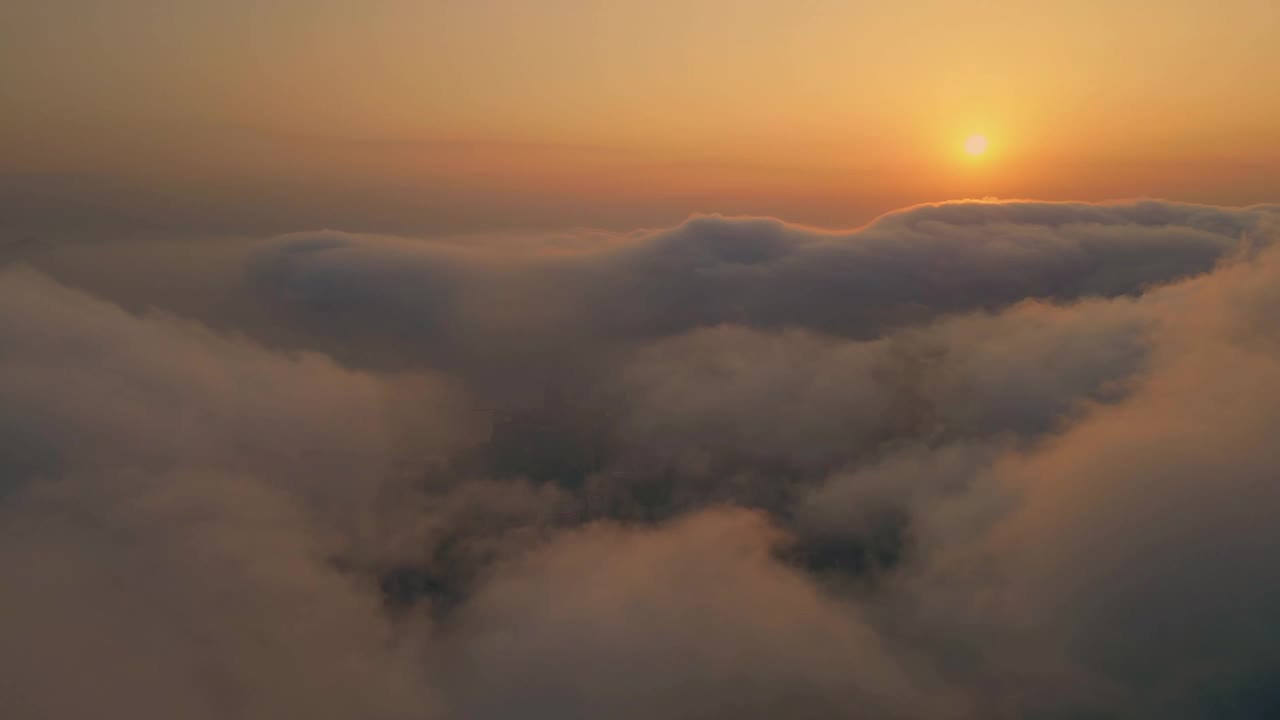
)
(972, 460)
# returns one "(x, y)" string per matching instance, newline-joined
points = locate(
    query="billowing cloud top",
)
(974, 460)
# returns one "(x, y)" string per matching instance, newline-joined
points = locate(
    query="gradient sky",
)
(474, 114)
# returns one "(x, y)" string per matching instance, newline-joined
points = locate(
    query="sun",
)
(975, 145)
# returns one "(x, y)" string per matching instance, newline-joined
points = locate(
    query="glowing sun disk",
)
(975, 145)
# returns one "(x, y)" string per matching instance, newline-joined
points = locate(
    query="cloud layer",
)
(974, 460)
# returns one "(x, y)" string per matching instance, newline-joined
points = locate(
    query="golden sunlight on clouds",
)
(639, 359)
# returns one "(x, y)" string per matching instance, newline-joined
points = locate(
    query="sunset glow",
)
(634, 112)
(640, 359)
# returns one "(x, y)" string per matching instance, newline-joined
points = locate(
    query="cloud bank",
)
(974, 460)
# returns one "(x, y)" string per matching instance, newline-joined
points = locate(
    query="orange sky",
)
(476, 113)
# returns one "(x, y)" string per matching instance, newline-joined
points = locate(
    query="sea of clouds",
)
(975, 460)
